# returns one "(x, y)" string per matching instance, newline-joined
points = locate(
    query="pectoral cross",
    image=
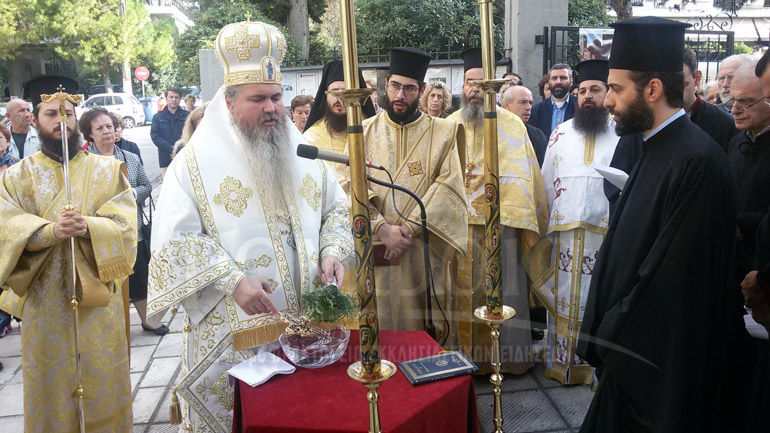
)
(469, 167)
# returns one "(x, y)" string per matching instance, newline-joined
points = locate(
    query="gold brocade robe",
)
(523, 217)
(36, 266)
(319, 136)
(422, 156)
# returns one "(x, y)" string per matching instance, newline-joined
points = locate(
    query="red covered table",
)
(326, 400)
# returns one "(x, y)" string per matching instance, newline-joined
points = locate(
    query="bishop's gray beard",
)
(269, 154)
(472, 113)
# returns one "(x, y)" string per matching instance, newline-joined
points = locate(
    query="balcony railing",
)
(173, 3)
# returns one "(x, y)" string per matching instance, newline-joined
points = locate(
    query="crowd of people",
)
(634, 229)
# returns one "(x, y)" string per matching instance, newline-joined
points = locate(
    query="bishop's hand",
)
(251, 295)
(71, 225)
(331, 268)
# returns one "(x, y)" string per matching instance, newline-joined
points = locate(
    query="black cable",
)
(429, 272)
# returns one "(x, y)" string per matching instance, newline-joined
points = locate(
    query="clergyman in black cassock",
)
(656, 320)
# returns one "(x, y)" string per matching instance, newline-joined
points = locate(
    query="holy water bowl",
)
(316, 350)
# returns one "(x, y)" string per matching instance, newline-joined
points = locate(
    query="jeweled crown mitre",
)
(250, 53)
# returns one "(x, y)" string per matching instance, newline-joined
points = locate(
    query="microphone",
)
(312, 152)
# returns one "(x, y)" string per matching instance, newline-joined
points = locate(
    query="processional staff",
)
(494, 312)
(372, 370)
(62, 98)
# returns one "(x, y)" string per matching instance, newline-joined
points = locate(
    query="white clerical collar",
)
(667, 122)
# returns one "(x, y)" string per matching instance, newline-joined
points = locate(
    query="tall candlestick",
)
(353, 98)
(494, 313)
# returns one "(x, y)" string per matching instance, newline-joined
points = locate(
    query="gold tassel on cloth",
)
(174, 410)
(253, 337)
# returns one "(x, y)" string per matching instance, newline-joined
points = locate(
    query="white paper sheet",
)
(613, 175)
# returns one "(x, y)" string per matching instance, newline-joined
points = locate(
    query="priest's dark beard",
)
(472, 113)
(401, 117)
(590, 120)
(337, 122)
(51, 145)
(638, 117)
(270, 155)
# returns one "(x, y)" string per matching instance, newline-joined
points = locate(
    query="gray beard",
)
(472, 113)
(269, 154)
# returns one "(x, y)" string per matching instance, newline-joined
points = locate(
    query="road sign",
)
(142, 73)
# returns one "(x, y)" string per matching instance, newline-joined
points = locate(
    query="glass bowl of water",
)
(320, 348)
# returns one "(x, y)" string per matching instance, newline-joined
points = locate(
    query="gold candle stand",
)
(371, 371)
(496, 379)
(356, 372)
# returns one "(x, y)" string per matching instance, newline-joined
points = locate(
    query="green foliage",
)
(742, 48)
(92, 32)
(16, 25)
(432, 25)
(278, 10)
(327, 304)
(588, 13)
(208, 22)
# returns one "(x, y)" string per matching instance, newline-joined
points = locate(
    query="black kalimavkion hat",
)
(592, 70)
(409, 62)
(472, 58)
(46, 85)
(648, 44)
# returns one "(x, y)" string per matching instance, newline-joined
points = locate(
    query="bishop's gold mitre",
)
(250, 53)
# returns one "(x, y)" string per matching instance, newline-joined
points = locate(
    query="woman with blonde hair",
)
(437, 99)
(189, 127)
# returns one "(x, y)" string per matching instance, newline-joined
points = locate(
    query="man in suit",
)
(560, 107)
(714, 121)
(518, 100)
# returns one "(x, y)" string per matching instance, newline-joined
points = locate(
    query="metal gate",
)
(561, 45)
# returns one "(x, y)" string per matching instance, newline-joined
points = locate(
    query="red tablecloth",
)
(327, 400)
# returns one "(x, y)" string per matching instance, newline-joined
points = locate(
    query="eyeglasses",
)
(722, 78)
(409, 89)
(741, 108)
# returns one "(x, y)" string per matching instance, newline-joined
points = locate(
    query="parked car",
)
(121, 103)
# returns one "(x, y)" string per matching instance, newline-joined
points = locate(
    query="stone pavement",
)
(531, 403)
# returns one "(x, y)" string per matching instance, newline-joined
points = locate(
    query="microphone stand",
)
(430, 328)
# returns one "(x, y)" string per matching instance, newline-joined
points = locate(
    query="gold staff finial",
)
(62, 98)
(248, 16)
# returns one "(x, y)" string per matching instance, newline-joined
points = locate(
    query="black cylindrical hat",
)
(595, 69)
(648, 44)
(472, 58)
(409, 62)
(46, 85)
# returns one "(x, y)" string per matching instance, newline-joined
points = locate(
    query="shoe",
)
(160, 330)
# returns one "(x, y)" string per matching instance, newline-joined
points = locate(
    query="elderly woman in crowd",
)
(189, 102)
(544, 87)
(98, 128)
(437, 99)
(129, 146)
(6, 156)
(300, 110)
(189, 127)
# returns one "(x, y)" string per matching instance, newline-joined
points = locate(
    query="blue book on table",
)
(443, 365)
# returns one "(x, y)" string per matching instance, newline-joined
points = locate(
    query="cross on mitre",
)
(242, 42)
